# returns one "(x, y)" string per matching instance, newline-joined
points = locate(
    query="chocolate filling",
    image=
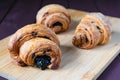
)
(57, 24)
(42, 61)
(86, 29)
(34, 34)
(46, 50)
(33, 55)
(86, 39)
(98, 27)
(45, 37)
(19, 39)
(80, 42)
(100, 31)
(92, 22)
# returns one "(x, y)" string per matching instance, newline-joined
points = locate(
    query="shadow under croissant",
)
(68, 56)
(73, 25)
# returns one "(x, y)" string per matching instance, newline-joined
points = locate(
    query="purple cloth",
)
(1, 78)
(109, 7)
(17, 13)
(23, 12)
(5, 8)
(112, 72)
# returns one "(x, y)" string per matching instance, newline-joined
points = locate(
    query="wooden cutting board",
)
(76, 64)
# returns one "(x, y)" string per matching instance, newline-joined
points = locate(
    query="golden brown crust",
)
(104, 26)
(93, 29)
(28, 32)
(36, 47)
(51, 14)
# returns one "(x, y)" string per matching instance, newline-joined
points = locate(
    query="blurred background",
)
(16, 13)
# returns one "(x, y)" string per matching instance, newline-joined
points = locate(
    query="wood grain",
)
(76, 64)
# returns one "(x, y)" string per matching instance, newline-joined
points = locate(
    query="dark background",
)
(16, 13)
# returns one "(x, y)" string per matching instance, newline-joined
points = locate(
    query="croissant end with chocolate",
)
(93, 29)
(55, 17)
(35, 45)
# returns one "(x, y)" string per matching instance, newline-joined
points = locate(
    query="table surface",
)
(17, 13)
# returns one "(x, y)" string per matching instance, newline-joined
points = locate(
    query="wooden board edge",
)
(7, 76)
(106, 65)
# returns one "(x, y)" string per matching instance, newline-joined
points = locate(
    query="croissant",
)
(55, 17)
(35, 45)
(93, 29)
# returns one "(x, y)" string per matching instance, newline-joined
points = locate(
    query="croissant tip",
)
(55, 66)
(20, 63)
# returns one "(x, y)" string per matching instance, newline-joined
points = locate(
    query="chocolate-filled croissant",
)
(35, 45)
(93, 29)
(55, 17)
